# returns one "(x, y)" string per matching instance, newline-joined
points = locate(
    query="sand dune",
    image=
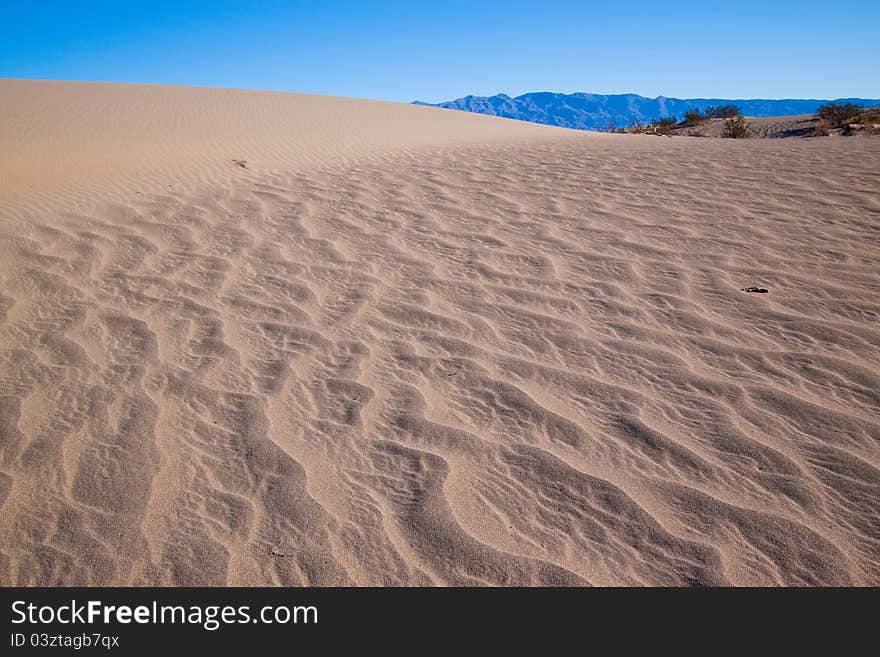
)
(760, 127)
(398, 345)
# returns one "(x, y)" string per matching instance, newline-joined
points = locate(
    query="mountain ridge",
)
(588, 111)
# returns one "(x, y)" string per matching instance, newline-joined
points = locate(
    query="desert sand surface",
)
(761, 127)
(251, 338)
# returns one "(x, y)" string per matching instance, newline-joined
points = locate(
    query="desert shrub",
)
(611, 126)
(663, 126)
(869, 120)
(838, 114)
(695, 117)
(728, 111)
(735, 127)
(655, 127)
(821, 129)
(665, 121)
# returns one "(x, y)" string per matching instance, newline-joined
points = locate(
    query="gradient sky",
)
(438, 51)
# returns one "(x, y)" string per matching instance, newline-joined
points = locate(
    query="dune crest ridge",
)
(268, 339)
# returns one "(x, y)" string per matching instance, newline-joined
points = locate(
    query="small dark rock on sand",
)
(761, 290)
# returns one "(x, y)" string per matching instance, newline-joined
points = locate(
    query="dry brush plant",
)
(735, 127)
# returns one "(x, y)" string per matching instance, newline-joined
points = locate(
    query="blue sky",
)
(438, 51)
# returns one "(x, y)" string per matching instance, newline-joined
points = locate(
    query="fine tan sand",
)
(253, 338)
(767, 127)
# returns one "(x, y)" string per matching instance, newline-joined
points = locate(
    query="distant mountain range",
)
(585, 111)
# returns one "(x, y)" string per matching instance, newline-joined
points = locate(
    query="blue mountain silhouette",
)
(585, 111)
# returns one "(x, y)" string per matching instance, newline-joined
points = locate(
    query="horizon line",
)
(418, 100)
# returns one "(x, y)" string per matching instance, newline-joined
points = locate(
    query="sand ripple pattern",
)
(483, 365)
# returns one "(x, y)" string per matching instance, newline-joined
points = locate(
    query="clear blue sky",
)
(442, 50)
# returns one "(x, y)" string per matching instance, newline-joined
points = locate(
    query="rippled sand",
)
(401, 345)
